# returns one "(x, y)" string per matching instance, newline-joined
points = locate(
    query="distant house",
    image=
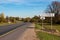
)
(55, 19)
(48, 19)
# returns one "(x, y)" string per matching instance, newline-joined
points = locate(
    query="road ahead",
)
(17, 33)
(7, 28)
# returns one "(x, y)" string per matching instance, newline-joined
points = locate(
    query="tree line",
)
(8, 19)
(54, 7)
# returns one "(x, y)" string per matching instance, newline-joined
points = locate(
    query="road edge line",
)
(7, 33)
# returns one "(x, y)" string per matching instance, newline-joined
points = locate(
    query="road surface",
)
(24, 32)
(6, 28)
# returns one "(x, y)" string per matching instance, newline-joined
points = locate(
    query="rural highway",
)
(6, 28)
(17, 33)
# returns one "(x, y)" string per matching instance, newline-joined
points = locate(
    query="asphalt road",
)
(7, 28)
(21, 27)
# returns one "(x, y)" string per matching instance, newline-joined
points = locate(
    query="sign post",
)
(42, 18)
(52, 15)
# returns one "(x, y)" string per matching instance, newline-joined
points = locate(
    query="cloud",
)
(24, 2)
(12, 1)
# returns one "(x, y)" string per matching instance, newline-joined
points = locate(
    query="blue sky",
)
(23, 8)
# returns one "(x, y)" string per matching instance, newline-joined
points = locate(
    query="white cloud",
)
(26, 2)
(21, 1)
(12, 1)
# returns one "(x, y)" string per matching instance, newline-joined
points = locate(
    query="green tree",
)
(27, 19)
(17, 18)
(12, 19)
(35, 19)
(2, 19)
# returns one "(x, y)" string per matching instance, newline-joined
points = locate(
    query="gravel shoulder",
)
(29, 34)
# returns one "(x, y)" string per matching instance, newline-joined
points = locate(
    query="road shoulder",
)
(29, 34)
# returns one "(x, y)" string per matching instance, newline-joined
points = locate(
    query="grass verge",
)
(44, 35)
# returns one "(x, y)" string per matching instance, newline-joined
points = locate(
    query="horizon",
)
(24, 8)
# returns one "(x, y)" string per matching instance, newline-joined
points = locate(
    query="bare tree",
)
(54, 7)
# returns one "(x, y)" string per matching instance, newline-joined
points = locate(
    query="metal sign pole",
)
(42, 23)
(51, 22)
(42, 17)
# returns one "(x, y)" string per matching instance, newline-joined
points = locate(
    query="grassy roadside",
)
(1, 24)
(44, 35)
(48, 26)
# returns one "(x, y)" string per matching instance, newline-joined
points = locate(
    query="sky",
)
(24, 8)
